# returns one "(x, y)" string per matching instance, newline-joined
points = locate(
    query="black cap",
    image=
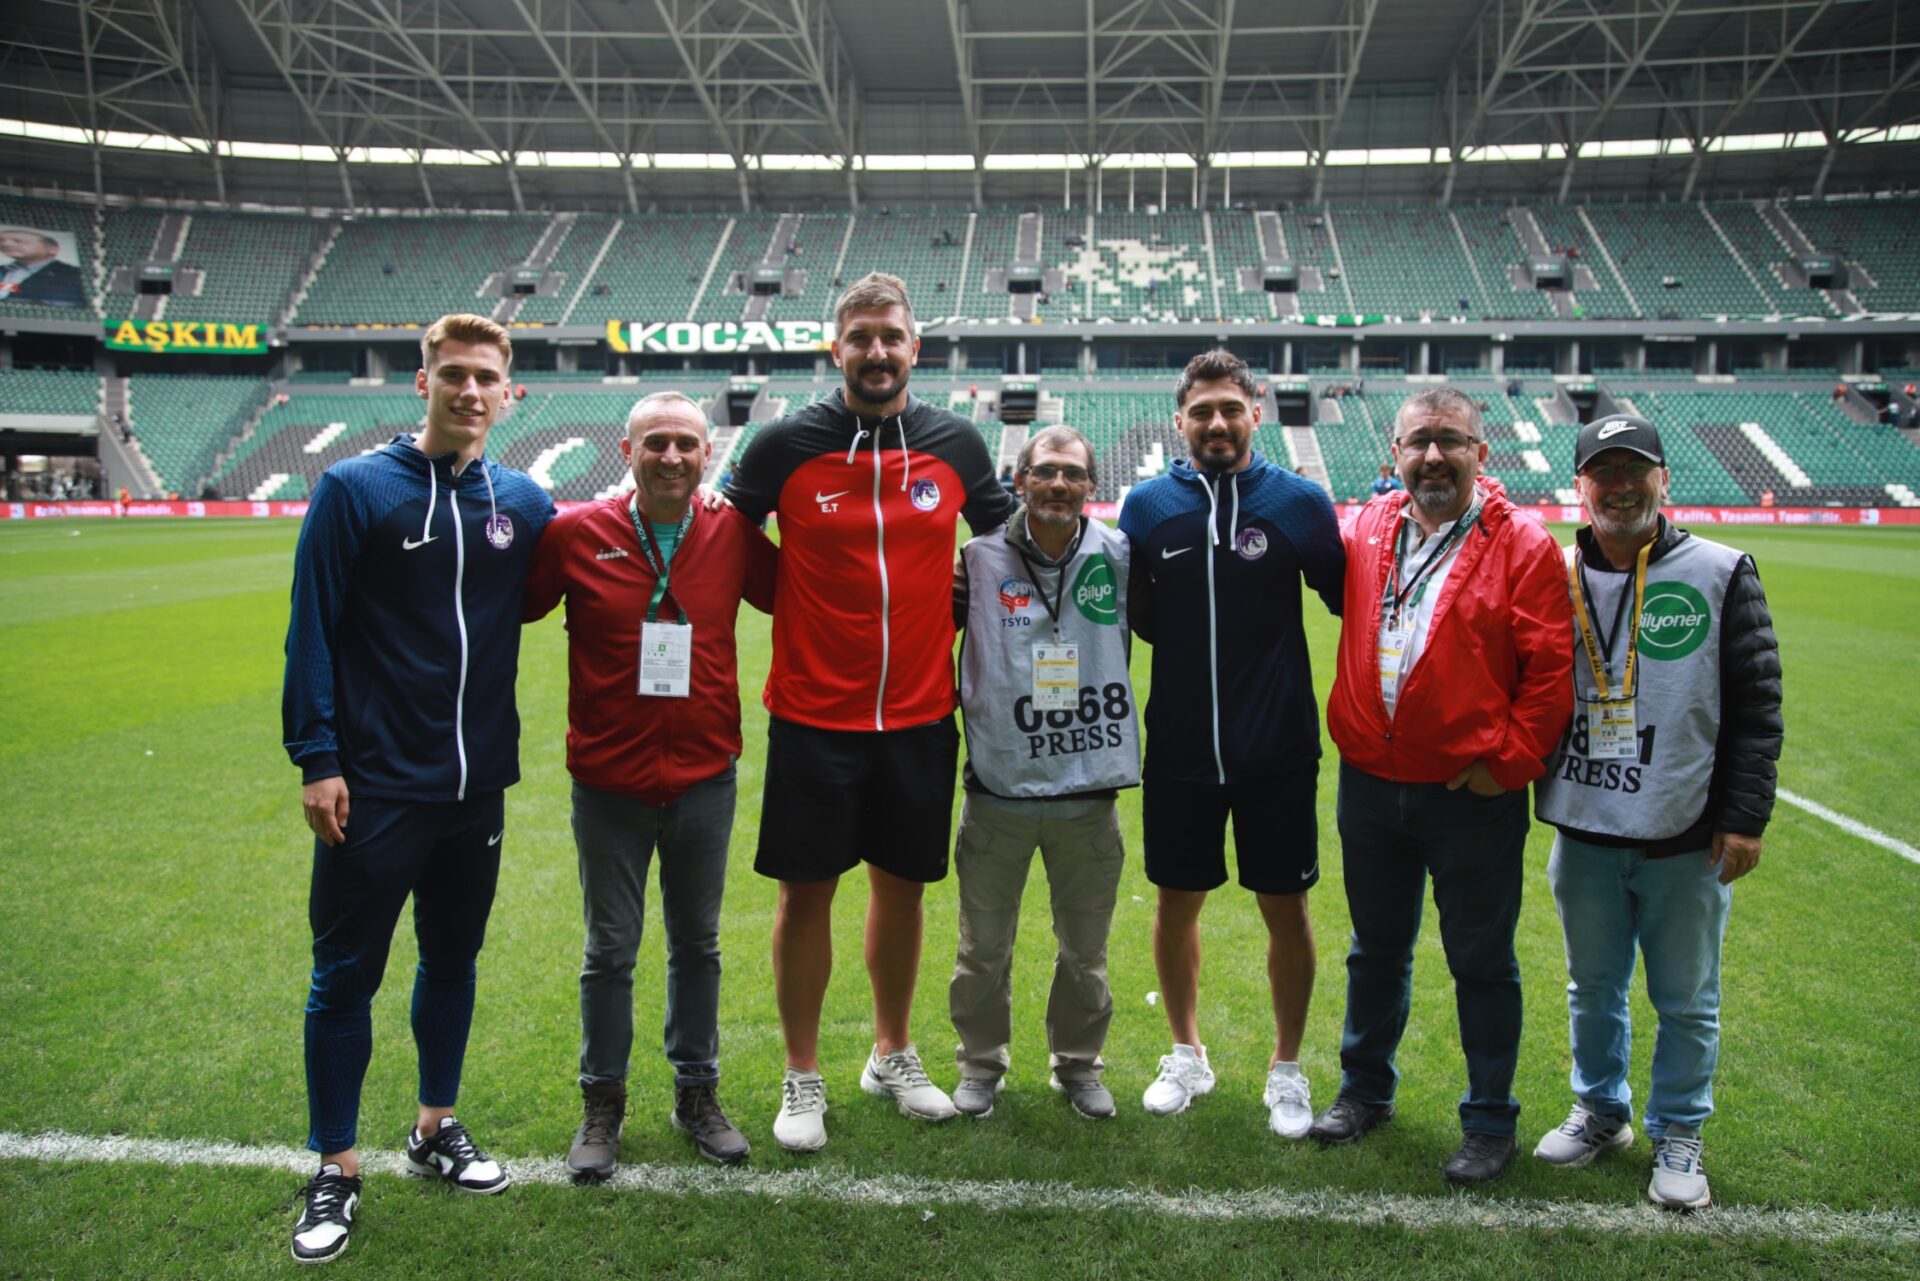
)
(1618, 431)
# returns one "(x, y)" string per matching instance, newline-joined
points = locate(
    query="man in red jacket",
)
(1454, 684)
(653, 583)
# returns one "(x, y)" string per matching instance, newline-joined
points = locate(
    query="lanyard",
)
(656, 560)
(1599, 659)
(1415, 588)
(1059, 600)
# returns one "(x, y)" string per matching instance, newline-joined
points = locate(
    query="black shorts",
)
(1276, 832)
(835, 798)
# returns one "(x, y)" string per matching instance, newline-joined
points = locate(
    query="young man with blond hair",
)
(402, 650)
(869, 483)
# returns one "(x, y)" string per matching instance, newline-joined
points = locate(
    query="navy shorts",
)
(837, 798)
(1276, 832)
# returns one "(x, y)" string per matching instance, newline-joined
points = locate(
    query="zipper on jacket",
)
(460, 621)
(880, 543)
(1213, 627)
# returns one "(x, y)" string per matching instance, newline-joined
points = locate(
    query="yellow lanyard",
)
(1582, 613)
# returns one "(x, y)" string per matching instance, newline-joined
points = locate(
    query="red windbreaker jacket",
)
(1494, 682)
(617, 740)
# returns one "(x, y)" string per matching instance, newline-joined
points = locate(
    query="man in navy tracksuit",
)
(398, 708)
(1220, 547)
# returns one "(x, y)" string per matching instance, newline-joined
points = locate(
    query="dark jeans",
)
(447, 856)
(615, 837)
(1393, 836)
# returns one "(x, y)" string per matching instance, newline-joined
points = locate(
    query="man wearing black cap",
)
(1660, 791)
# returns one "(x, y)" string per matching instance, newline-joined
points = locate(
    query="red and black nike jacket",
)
(863, 617)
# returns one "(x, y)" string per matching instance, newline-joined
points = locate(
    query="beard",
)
(1436, 493)
(1210, 459)
(876, 394)
(1624, 524)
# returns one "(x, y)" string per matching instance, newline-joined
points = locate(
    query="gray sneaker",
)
(974, 1096)
(1581, 1137)
(1679, 1180)
(596, 1148)
(1087, 1097)
(900, 1075)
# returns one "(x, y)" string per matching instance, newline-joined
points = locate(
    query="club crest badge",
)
(925, 495)
(499, 532)
(1251, 544)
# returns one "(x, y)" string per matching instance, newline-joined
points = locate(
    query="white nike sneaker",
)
(900, 1075)
(1289, 1101)
(1184, 1077)
(802, 1125)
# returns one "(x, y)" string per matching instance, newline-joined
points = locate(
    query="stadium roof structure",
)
(642, 104)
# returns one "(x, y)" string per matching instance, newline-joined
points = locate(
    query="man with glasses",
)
(1661, 791)
(1452, 689)
(1051, 737)
(1221, 546)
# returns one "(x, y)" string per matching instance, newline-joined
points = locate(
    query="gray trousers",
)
(615, 836)
(1083, 856)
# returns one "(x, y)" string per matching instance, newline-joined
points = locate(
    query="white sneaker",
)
(1289, 1101)
(1184, 1076)
(1582, 1137)
(901, 1075)
(1679, 1180)
(802, 1125)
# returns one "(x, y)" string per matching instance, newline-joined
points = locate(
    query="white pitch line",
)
(1853, 825)
(1453, 1210)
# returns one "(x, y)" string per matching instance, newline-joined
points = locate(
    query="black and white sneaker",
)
(450, 1154)
(326, 1215)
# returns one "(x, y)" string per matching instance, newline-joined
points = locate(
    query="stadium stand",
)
(1494, 247)
(1148, 265)
(410, 271)
(1405, 262)
(1565, 228)
(1236, 245)
(185, 420)
(252, 263)
(1882, 235)
(128, 236)
(1674, 261)
(1311, 242)
(64, 392)
(652, 269)
(571, 262)
(904, 244)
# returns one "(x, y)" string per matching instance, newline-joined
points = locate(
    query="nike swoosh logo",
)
(408, 544)
(819, 497)
(495, 838)
(1613, 429)
(1168, 553)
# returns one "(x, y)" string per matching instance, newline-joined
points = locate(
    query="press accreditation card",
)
(666, 659)
(1056, 678)
(1610, 730)
(1393, 653)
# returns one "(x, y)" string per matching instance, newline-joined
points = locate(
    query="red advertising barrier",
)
(1679, 514)
(144, 507)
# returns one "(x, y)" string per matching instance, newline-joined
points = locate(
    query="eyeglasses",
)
(1450, 442)
(1607, 473)
(1044, 472)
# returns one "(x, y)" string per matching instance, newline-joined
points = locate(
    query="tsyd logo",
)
(1016, 594)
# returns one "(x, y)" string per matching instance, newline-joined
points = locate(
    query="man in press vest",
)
(1051, 737)
(1661, 790)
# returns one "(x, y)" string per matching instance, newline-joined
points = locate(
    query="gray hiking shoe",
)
(596, 1148)
(697, 1114)
(1089, 1098)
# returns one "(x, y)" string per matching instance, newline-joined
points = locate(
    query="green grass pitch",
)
(153, 956)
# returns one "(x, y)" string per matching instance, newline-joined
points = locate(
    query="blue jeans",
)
(1392, 837)
(1675, 909)
(615, 837)
(447, 856)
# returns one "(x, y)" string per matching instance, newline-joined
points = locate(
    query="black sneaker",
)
(596, 1148)
(1481, 1158)
(450, 1154)
(1348, 1119)
(327, 1215)
(696, 1112)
